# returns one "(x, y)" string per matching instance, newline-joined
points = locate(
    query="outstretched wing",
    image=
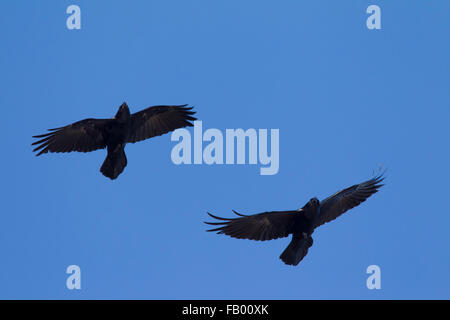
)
(335, 205)
(262, 226)
(157, 120)
(83, 136)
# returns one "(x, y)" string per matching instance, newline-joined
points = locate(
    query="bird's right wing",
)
(158, 120)
(335, 205)
(82, 136)
(262, 226)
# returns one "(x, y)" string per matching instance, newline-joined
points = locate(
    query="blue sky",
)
(344, 98)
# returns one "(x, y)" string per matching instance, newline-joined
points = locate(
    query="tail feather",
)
(296, 250)
(114, 164)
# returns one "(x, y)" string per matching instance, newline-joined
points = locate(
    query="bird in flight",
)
(300, 223)
(93, 134)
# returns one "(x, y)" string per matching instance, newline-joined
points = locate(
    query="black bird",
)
(300, 223)
(93, 134)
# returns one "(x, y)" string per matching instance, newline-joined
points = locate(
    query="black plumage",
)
(300, 223)
(93, 134)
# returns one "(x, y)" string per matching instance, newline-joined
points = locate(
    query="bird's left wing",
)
(262, 226)
(158, 120)
(335, 205)
(82, 136)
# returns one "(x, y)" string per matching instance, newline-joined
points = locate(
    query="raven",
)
(300, 223)
(93, 134)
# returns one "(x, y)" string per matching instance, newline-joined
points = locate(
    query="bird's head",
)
(312, 205)
(123, 113)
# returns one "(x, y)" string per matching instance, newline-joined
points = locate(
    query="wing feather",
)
(262, 226)
(158, 120)
(335, 205)
(82, 136)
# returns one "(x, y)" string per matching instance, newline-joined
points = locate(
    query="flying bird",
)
(300, 223)
(113, 134)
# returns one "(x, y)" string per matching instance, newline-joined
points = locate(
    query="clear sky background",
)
(345, 99)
